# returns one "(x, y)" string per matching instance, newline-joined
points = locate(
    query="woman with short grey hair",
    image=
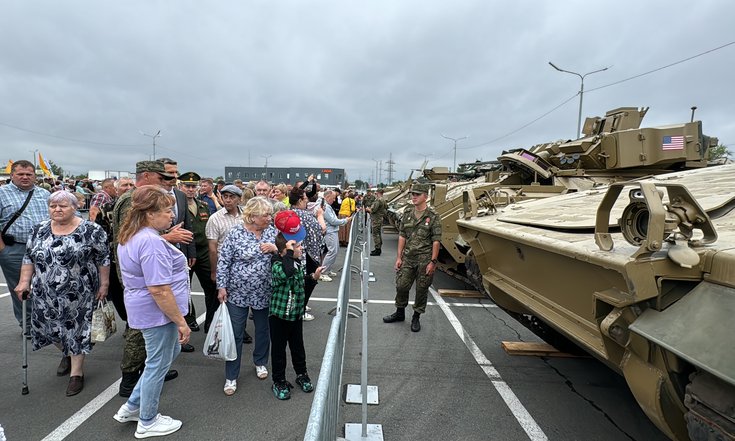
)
(66, 268)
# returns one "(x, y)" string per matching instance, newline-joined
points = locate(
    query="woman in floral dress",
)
(66, 267)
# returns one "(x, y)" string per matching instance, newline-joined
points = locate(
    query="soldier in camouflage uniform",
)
(368, 200)
(377, 212)
(419, 236)
(133, 361)
(200, 213)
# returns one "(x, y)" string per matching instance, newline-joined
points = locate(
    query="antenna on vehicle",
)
(693, 109)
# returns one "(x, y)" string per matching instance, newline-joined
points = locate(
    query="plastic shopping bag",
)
(103, 321)
(220, 342)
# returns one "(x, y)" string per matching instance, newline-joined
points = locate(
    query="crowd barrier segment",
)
(324, 415)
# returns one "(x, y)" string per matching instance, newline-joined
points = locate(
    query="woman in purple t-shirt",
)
(156, 280)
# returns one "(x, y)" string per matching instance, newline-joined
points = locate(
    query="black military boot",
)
(129, 380)
(398, 316)
(375, 252)
(415, 324)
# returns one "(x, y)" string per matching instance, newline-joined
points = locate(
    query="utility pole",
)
(377, 176)
(389, 168)
(455, 148)
(158, 133)
(266, 165)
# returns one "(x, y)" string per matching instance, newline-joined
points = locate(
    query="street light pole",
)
(35, 154)
(376, 173)
(158, 133)
(581, 92)
(455, 148)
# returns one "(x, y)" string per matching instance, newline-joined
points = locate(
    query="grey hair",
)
(257, 206)
(328, 193)
(118, 181)
(63, 196)
(279, 206)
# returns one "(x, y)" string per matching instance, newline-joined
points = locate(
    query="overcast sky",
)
(342, 83)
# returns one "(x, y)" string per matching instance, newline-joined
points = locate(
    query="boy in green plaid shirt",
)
(287, 305)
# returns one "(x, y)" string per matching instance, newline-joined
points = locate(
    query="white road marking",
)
(76, 420)
(4, 295)
(528, 424)
(84, 413)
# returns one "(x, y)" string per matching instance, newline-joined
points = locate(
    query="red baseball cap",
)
(289, 224)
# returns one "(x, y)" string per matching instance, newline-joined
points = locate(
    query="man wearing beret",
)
(419, 236)
(133, 361)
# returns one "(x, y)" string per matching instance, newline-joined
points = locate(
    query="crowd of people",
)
(258, 249)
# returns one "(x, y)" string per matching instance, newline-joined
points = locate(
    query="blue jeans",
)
(11, 259)
(162, 347)
(239, 316)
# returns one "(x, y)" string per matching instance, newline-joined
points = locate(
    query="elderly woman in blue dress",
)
(65, 268)
(244, 282)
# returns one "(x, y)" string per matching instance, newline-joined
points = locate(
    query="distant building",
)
(289, 175)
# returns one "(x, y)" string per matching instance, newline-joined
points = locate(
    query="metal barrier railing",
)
(324, 416)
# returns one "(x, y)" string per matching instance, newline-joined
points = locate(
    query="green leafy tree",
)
(360, 184)
(718, 152)
(55, 169)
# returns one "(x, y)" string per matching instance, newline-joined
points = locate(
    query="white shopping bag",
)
(220, 342)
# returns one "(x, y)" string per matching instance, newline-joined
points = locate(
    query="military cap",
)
(190, 178)
(420, 188)
(152, 166)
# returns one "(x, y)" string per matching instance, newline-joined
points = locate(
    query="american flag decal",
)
(673, 143)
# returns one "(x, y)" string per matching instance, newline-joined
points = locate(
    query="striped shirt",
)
(220, 223)
(100, 199)
(11, 199)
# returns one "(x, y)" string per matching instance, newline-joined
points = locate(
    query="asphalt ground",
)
(431, 386)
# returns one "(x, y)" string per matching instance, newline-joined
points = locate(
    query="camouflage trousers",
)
(413, 269)
(376, 227)
(133, 351)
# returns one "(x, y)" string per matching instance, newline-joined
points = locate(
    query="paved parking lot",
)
(450, 381)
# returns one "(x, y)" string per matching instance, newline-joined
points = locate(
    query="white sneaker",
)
(124, 414)
(325, 278)
(332, 274)
(261, 372)
(230, 387)
(307, 308)
(160, 426)
(308, 317)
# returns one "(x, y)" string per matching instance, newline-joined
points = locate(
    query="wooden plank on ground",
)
(533, 349)
(466, 293)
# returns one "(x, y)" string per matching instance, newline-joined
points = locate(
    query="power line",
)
(598, 88)
(521, 127)
(70, 139)
(662, 67)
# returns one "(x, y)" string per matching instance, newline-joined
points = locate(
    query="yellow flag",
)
(8, 167)
(43, 165)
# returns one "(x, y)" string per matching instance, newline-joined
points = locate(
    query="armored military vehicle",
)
(613, 148)
(640, 274)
